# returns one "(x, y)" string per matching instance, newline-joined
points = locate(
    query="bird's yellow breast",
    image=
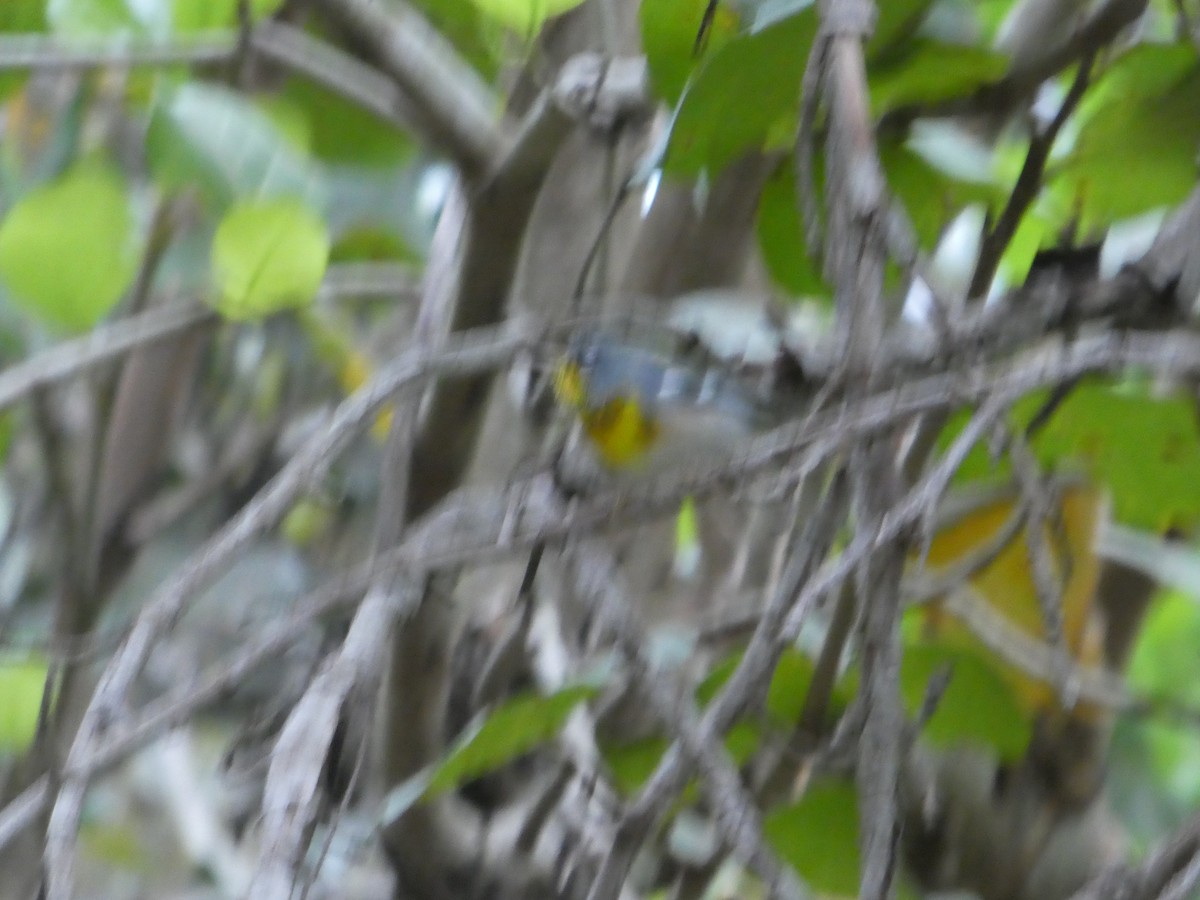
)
(620, 430)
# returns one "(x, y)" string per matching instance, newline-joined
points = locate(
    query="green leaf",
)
(307, 521)
(789, 687)
(688, 548)
(289, 120)
(525, 17)
(977, 706)
(21, 686)
(990, 15)
(509, 731)
(739, 96)
(479, 39)
(22, 17)
(669, 30)
(716, 678)
(1137, 149)
(1174, 758)
(368, 243)
(781, 238)
(630, 764)
(118, 846)
(268, 255)
(214, 139)
(1142, 446)
(933, 71)
(1144, 70)
(343, 132)
(818, 836)
(68, 249)
(83, 18)
(931, 197)
(896, 22)
(203, 15)
(742, 741)
(1164, 660)
(260, 9)
(1033, 234)
(215, 15)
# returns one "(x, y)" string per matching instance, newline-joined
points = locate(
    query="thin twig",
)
(44, 52)
(1104, 23)
(75, 357)
(748, 680)
(737, 818)
(1050, 573)
(1029, 183)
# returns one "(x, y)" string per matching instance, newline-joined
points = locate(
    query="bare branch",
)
(293, 796)
(277, 41)
(103, 344)
(43, 52)
(1155, 878)
(1172, 353)
(337, 71)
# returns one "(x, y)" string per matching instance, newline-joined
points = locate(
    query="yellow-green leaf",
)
(1137, 149)
(68, 249)
(525, 16)
(268, 255)
(21, 686)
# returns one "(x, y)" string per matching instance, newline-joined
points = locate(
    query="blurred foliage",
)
(85, 217)
(193, 128)
(22, 682)
(1142, 445)
(630, 763)
(674, 47)
(978, 706)
(512, 729)
(818, 835)
(1137, 147)
(1156, 758)
(713, 124)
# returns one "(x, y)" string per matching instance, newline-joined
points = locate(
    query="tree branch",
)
(453, 106)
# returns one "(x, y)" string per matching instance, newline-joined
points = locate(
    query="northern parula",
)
(645, 406)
